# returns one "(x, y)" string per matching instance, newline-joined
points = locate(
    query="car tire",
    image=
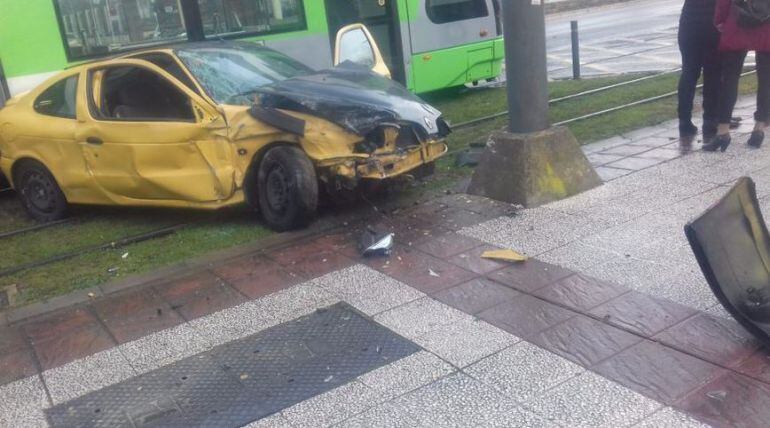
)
(39, 192)
(287, 188)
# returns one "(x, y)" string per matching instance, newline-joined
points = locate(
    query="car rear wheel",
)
(287, 188)
(39, 192)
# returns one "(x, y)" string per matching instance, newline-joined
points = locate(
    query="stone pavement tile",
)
(256, 276)
(730, 400)
(625, 150)
(384, 415)
(757, 366)
(687, 288)
(589, 400)
(11, 340)
(476, 295)
(529, 276)
(332, 407)
(420, 317)
(579, 292)
(525, 316)
(454, 401)
(508, 232)
(406, 374)
(17, 365)
(471, 260)
(383, 295)
(656, 141)
(603, 145)
(199, 296)
(350, 281)
(599, 159)
(658, 372)
(523, 371)
(448, 245)
(23, 403)
(290, 304)
(465, 342)
(641, 313)
(717, 340)
(661, 153)
(276, 420)
(69, 347)
(668, 417)
(456, 219)
(584, 340)
(86, 375)
(231, 323)
(607, 173)
(641, 133)
(129, 316)
(162, 348)
(59, 324)
(323, 263)
(344, 242)
(578, 256)
(421, 271)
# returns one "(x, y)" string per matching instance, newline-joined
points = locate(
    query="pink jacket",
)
(735, 38)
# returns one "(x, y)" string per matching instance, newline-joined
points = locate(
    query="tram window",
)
(59, 99)
(444, 11)
(229, 17)
(95, 28)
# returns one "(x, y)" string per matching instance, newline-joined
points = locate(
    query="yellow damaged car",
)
(211, 125)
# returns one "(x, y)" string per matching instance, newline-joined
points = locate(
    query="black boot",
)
(687, 129)
(719, 142)
(756, 139)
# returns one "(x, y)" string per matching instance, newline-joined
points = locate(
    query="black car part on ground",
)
(732, 245)
(356, 99)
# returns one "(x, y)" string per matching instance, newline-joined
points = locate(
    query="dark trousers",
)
(732, 66)
(699, 53)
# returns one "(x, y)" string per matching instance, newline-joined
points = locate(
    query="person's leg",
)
(762, 115)
(732, 64)
(712, 77)
(688, 80)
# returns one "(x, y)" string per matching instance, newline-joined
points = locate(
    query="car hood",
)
(354, 98)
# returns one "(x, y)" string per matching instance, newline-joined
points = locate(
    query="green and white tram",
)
(426, 44)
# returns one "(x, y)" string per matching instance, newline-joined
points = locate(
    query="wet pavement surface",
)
(582, 335)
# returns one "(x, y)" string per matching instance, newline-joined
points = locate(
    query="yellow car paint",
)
(201, 163)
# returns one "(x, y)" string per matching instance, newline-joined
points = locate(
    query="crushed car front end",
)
(389, 131)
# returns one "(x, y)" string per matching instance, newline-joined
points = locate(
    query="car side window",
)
(445, 11)
(59, 100)
(132, 93)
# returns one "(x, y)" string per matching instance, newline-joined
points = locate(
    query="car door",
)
(148, 137)
(355, 43)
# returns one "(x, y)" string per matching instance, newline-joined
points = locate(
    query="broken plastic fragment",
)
(374, 244)
(432, 273)
(124, 256)
(505, 255)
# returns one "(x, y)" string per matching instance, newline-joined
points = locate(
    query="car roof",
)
(222, 44)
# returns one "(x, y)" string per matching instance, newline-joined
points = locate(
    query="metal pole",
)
(526, 71)
(575, 50)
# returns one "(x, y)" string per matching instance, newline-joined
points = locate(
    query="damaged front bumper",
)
(381, 166)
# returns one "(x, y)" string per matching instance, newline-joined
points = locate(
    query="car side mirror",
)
(356, 44)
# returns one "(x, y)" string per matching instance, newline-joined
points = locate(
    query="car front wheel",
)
(39, 192)
(287, 188)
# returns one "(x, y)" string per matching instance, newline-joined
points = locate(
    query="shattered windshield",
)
(230, 74)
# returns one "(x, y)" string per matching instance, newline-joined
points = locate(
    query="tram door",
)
(381, 18)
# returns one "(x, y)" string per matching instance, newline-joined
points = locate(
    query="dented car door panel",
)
(158, 158)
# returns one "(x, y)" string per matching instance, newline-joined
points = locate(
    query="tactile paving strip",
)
(245, 380)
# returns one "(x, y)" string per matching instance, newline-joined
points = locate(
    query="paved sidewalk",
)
(608, 326)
